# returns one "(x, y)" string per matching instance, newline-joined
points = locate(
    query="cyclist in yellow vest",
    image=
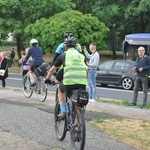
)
(75, 72)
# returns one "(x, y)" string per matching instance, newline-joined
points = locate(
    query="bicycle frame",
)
(74, 122)
(40, 87)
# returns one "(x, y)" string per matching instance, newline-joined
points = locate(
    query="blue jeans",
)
(92, 83)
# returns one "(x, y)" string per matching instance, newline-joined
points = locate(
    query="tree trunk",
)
(113, 48)
(19, 46)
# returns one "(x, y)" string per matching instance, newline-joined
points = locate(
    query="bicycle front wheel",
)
(42, 89)
(26, 86)
(78, 134)
(60, 124)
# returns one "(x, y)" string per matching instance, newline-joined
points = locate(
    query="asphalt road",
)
(112, 92)
(34, 122)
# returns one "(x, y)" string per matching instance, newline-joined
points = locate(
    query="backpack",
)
(42, 69)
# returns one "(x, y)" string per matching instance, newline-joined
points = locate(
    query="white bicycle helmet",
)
(33, 41)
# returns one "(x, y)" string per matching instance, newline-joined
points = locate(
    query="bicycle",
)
(74, 121)
(40, 88)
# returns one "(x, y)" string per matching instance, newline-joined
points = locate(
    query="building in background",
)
(11, 37)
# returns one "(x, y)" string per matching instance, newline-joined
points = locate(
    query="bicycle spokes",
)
(78, 133)
(26, 86)
(41, 89)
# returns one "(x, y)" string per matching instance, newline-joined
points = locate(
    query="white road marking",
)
(14, 79)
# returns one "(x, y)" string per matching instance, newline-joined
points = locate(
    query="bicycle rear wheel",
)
(78, 134)
(42, 89)
(26, 86)
(60, 125)
(56, 95)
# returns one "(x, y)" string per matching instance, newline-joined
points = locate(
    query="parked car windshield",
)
(106, 65)
(121, 66)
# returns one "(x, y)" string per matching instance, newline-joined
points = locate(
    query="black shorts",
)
(32, 68)
(59, 74)
(68, 88)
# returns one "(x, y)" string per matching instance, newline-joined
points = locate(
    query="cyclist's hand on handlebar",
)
(47, 81)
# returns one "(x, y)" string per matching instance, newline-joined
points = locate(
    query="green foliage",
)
(137, 16)
(99, 120)
(84, 6)
(8, 43)
(49, 32)
(9, 62)
(111, 13)
(15, 15)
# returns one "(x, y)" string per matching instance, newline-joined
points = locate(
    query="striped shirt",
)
(94, 59)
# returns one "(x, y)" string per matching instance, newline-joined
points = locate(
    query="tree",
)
(15, 15)
(84, 6)
(137, 16)
(112, 14)
(85, 28)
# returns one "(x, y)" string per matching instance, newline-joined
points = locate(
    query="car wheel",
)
(104, 85)
(127, 83)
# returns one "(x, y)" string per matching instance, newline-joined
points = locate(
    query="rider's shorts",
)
(32, 68)
(68, 88)
(59, 74)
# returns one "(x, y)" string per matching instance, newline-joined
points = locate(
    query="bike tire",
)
(60, 125)
(78, 134)
(42, 89)
(26, 86)
(56, 95)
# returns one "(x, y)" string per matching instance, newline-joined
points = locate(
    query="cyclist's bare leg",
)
(61, 96)
(62, 102)
(31, 73)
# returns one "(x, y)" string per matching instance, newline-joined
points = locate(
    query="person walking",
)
(12, 56)
(141, 71)
(4, 65)
(93, 64)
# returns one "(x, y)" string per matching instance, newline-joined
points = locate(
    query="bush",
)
(8, 43)
(9, 62)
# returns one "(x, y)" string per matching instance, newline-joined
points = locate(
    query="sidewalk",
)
(9, 141)
(123, 111)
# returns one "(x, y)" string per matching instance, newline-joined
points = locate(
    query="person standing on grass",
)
(141, 71)
(93, 64)
(4, 65)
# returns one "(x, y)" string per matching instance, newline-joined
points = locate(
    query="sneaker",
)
(33, 84)
(38, 91)
(62, 115)
(143, 107)
(132, 105)
(92, 100)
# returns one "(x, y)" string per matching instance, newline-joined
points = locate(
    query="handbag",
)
(2, 72)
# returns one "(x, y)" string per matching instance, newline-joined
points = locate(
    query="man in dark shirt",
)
(12, 56)
(141, 71)
(37, 58)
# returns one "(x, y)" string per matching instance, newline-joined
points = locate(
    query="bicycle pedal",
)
(38, 92)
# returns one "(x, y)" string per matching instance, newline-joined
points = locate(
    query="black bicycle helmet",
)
(70, 41)
(67, 34)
